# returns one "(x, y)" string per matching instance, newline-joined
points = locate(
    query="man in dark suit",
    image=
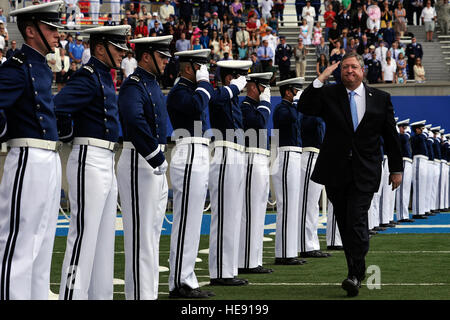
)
(349, 164)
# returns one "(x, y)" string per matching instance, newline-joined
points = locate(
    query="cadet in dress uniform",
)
(419, 169)
(255, 115)
(286, 172)
(333, 237)
(31, 185)
(141, 168)
(283, 55)
(89, 99)
(404, 190)
(226, 174)
(435, 192)
(446, 152)
(313, 132)
(444, 173)
(430, 169)
(187, 104)
(374, 216)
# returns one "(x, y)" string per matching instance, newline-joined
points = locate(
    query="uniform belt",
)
(35, 143)
(420, 156)
(311, 149)
(288, 148)
(129, 145)
(385, 157)
(105, 144)
(437, 160)
(258, 150)
(197, 140)
(407, 159)
(228, 144)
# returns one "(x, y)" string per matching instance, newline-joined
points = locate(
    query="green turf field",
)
(412, 266)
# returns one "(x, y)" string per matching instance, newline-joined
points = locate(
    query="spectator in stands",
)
(333, 36)
(205, 21)
(322, 64)
(400, 19)
(214, 41)
(76, 51)
(386, 16)
(308, 14)
(264, 28)
(223, 8)
(183, 44)
(253, 42)
(265, 54)
(380, 52)
(317, 34)
(366, 55)
(346, 4)
(11, 51)
(86, 52)
(417, 7)
(243, 51)
(401, 77)
(283, 54)
(3, 37)
(343, 19)
(336, 49)
(373, 74)
(344, 39)
(62, 68)
(278, 10)
(419, 71)
(273, 21)
(226, 46)
(2, 58)
(157, 29)
(273, 40)
(256, 64)
(322, 48)
(143, 13)
(300, 53)
(413, 51)
(363, 44)
(401, 64)
(335, 58)
(2, 17)
(388, 71)
(151, 23)
(109, 21)
(359, 19)
(273, 69)
(128, 65)
(141, 28)
(329, 17)
(165, 11)
(428, 17)
(352, 46)
(395, 50)
(374, 16)
(299, 5)
(204, 39)
(236, 8)
(213, 56)
(242, 35)
(304, 33)
(265, 8)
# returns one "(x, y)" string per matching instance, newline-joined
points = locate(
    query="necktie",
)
(265, 52)
(353, 110)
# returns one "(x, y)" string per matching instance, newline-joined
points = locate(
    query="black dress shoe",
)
(189, 293)
(393, 222)
(429, 214)
(387, 225)
(335, 248)
(314, 254)
(289, 261)
(228, 282)
(351, 285)
(435, 211)
(379, 229)
(406, 220)
(372, 232)
(419, 216)
(258, 269)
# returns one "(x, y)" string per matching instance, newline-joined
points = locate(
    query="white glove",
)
(161, 169)
(240, 82)
(202, 74)
(265, 95)
(297, 96)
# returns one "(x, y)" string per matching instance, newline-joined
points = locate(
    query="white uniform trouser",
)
(285, 177)
(115, 10)
(419, 182)
(429, 186)
(374, 210)
(88, 267)
(226, 189)
(387, 198)
(444, 186)
(95, 9)
(29, 202)
(308, 220)
(435, 185)
(256, 193)
(143, 198)
(404, 191)
(333, 236)
(189, 170)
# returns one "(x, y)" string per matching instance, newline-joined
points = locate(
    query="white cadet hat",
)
(396, 119)
(296, 83)
(418, 124)
(48, 13)
(235, 67)
(403, 123)
(442, 131)
(116, 35)
(159, 44)
(200, 56)
(262, 78)
(428, 126)
(435, 129)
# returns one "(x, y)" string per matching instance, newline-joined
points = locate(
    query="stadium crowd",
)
(249, 30)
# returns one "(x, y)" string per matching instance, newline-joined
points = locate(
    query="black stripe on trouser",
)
(285, 205)
(380, 209)
(68, 294)
(417, 186)
(438, 196)
(333, 230)
(248, 210)
(184, 214)
(401, 197)
(134, 165)
(305, 201)
(14, 223)
(220, 212)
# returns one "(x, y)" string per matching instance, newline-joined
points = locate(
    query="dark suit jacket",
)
(331, 103)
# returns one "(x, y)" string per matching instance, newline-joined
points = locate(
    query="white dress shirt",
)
(129, 65)
(360, 98)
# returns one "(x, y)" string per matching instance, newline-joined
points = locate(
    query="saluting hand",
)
(328, 72)
(395, 179)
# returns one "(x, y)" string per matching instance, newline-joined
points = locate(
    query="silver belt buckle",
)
(115, 147)
(58, 146)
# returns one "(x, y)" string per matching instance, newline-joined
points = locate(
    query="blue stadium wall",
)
(434, 109)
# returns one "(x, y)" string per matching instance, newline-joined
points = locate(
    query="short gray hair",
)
(354, 55)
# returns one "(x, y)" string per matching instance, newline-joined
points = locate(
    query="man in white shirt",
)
(381, 53)
(309, 13)
(272, 39)
(388, 71)
(166, 10)
(129, 64)
(266, 7)
(428, 17)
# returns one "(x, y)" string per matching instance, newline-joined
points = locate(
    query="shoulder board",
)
(88, 68)
(135, 78)
(17, 60)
